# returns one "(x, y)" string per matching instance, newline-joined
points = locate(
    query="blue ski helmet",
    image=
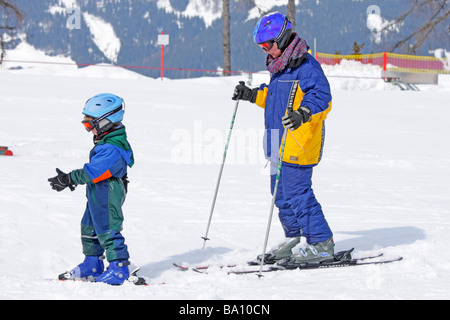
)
(273, 27)
(106, 109)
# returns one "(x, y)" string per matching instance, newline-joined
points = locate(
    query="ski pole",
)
(280, 162)
(205, 238)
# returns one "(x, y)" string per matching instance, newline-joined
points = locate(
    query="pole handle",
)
(292, 95)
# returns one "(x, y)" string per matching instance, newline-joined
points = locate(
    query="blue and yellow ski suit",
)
(299, 211)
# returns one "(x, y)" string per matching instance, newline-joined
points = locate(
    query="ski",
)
(323, 265)
(136, 280)
(339, 256)
(341, 259)
(133, 278)
(141, 281)
(201, 268)
(370, 257)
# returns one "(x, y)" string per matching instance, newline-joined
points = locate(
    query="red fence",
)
(392, 61)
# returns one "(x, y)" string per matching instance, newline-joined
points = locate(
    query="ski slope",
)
(383, 183)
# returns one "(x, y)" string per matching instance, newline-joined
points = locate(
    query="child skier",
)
(106, 178)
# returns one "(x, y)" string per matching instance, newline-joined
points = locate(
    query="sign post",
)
(163, 40)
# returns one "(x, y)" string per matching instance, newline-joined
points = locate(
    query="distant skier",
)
(299, 211)
(106, 179)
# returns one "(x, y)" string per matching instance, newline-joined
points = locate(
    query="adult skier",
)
(105, 177)
(299, 211)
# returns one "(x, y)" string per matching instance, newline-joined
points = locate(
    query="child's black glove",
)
(294, 119)
(61, 181)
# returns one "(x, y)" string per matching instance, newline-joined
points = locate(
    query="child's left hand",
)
(61, 181)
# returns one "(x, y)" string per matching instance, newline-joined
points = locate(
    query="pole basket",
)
(5, 152)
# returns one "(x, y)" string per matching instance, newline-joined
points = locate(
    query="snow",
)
(443, 55)
(383, 184)
(207, 10)
(104, 36)
(102, 32)
(266, 6)
(26, 52)
(62, 6)
(31, 61)
(380, 26)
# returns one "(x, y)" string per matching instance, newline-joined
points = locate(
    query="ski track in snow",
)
(383, 184)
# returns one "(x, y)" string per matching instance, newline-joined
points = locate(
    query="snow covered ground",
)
(383, 184)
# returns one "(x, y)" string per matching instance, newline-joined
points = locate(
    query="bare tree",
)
(226, 37)
(10, 19)
(434, 13)
(291, 13)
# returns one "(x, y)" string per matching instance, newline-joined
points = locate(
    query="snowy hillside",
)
(383, 183)
(125, 32)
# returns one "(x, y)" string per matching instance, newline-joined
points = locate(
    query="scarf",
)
(296, 50)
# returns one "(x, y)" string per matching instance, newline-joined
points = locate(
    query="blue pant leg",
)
(89, 239)
(296, 183)
(107, 222)
(287, 216)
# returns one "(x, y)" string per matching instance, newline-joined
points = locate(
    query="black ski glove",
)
(61, 181)
(242, 92)
(294, 119)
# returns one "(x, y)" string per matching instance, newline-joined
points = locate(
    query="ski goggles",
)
(266, 46)
(88, 125)
(91, 124)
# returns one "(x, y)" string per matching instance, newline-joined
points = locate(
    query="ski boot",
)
(312, 254)
(282, 251)
(89, 270)
(116, 274)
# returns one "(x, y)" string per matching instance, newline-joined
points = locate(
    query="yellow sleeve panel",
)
(304, 145)
(261, 98)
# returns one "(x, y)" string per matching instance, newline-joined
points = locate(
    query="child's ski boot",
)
(89, 270)
(116, 274)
